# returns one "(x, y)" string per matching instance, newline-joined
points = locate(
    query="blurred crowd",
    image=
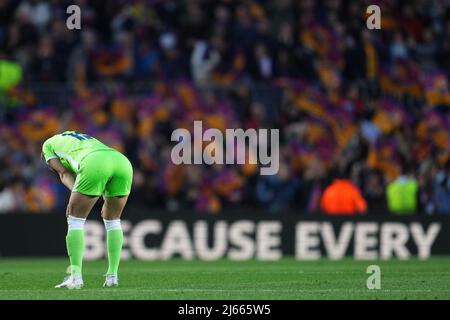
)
(361, 112)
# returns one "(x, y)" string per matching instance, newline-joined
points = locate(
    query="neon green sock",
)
(75, 249)
(114, 239)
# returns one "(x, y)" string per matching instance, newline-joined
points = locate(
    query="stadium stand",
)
(369, 103)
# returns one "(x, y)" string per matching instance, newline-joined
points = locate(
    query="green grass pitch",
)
(179, 279)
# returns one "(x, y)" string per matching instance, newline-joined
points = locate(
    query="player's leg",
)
(115, 199)
(89, 186)
(111, 212)
(78, 209)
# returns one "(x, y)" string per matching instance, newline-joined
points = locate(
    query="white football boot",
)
(71, 282)
(112, 280)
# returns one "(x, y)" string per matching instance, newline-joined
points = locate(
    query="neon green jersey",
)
(402, 195)
(70, 147)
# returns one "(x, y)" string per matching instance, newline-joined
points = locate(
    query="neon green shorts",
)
(107, 173)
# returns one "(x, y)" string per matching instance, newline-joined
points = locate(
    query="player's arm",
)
(67, 177)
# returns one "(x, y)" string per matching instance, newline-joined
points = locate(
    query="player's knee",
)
(110, 216)
(74, 211)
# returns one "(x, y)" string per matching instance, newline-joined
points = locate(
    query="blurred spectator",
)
(10, 75)
(374, 192)
(278, 192)
(399, 49)
(12, 196)
(263, 64)
(402, 194)
(442, 190)
(37, 12)
(203, 61)
(173, 61)
(342, 197)
(426, 51)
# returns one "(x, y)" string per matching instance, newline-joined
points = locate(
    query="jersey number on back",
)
(78, 135)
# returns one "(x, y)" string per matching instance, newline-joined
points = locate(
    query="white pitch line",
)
(272, 290)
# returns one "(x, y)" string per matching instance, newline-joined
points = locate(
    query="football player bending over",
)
(90, 169)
